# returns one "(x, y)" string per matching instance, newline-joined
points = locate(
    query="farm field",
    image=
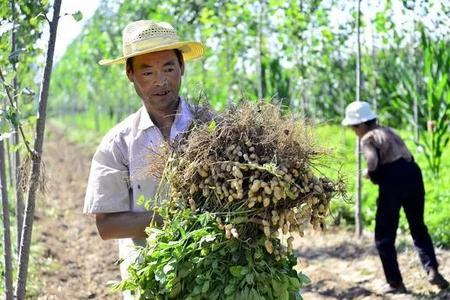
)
(78, 265)
(264, 103)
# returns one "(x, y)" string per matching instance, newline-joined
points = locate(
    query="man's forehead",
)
(156, 58)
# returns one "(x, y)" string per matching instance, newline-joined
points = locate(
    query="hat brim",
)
(190, 50)
(351, 122)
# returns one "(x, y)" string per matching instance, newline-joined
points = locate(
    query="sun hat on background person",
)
(358, 112)
(146, 36)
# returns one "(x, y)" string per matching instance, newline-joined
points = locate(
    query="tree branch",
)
(8, 94)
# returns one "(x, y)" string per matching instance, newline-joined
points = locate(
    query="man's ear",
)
(130, 72)
(182, 68)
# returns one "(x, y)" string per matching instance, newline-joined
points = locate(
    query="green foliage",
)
(437, 83)
(306, 61)
(19, 64)
(77, 16)
(22, 24)
(190, 258)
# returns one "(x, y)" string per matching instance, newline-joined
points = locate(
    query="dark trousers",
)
(401, 185)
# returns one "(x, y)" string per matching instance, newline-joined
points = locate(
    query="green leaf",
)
(253, 295)
(229, 289)
(279, 289)
(304, 279)
(34, 20)
(294, 283)
(78, 16)
(205, 287)
(243, 295)
(160, 276)
(250, 278)
(212, 126)
(236, 271)
(140, 200)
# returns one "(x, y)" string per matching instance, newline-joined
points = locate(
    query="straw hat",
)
(148, 36)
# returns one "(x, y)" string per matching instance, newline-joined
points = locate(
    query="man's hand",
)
(125, 224)
(365, 173)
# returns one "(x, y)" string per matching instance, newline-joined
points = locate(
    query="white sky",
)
(68, 28)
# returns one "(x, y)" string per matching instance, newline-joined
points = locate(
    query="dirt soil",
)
(343, 267)
(77, 264)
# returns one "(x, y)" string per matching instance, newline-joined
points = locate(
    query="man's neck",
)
(163, 119)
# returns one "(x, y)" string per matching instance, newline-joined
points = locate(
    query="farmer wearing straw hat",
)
(392, 167)
(154, 57)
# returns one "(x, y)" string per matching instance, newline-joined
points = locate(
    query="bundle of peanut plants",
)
(241, 185)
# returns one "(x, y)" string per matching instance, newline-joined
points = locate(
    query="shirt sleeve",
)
(108, 187)
(370, 154)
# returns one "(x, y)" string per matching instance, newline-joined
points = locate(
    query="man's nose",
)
(161, 79)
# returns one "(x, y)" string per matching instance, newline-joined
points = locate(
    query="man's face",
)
(359, 130)
(157, 78)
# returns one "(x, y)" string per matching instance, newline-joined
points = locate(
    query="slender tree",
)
(6, 226)
(358, 218)
(36, 159)
(259, 67)
(16, 156)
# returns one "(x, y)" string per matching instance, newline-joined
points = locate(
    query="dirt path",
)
(77, 264)
(342, 267)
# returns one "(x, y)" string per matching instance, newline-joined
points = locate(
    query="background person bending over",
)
(391, 166)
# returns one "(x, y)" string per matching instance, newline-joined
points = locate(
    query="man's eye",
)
(169, 69)
(147, 73)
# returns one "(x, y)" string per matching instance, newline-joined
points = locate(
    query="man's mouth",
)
(162, 93)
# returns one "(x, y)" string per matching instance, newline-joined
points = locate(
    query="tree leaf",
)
(236, 271)
(77, 16)
(205, 287)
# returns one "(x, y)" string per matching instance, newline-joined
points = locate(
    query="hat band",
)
(140, 46)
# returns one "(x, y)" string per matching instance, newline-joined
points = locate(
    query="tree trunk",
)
(228, 66)
(418, 89)
(304, 102)
(358, 218)
(16, 156)
(6, 227)
(374, 66)
(259, 51)
(36, 159)
(9, 161)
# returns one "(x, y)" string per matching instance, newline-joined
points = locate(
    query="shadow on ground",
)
(321, 288)
(344, 251)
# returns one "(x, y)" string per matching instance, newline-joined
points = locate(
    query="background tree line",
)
(295, 51)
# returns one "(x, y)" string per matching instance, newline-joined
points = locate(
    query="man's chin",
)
(163, 102)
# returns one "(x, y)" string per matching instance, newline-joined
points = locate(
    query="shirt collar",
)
(180, 121)
(145, 121)
(183, 117)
